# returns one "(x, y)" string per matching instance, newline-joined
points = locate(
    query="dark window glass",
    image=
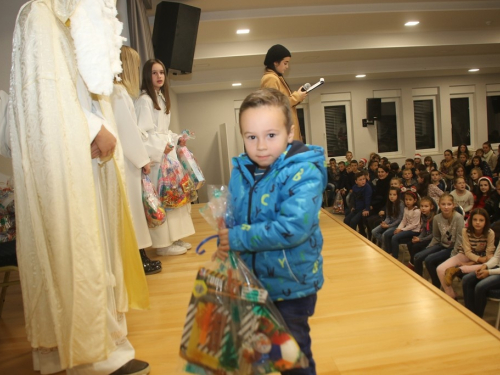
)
(423, 111)
(302, 123)
(493, 113)
(460, 121)
(387, 128)
(336, 130)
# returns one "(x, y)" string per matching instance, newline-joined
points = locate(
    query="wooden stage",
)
(374, 316)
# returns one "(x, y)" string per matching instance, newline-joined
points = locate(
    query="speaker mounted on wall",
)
(174, 35)
(373, 109)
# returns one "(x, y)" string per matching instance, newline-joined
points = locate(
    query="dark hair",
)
(445, 151)
(477, 191)
(393, 208)
(463, 152)
(488, 144)
(268, 97)
(371, 162)
(476, 158)
(358, 175)
(342, 163)
(394, 166)
(413, 195)
(410, 161)
(354, 161)
(482, 212)
(423, 187)
(332, 159)
(275, 54)
(456, 169)
(148, 88)
(384, 167)
(421, 168)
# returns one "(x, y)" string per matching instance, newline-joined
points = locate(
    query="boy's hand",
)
(383, 224)
(415, 239)
(397, 231)
(223, 249)
(366, 213)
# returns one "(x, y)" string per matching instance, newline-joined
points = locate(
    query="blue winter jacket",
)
(277, 220)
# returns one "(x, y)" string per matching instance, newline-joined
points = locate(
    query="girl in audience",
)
(447, 167)
(153, 117)
(460, 172)
(379, 199)
(425, 187)
(420, 242)
(477, 284)
(478, 162)
(393, 214)
(446, 233)
(437, 180)
(462, 196)
(484, 192)
(410, 224)
(475, 175)
(476, 249)
(463, 159)
(462, 149)
(493, 204)
(429, 164)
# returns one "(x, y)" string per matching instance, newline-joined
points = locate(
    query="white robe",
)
(156, 124)
(136, 157)
(73, 224)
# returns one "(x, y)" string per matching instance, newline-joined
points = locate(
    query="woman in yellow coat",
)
(277, 62)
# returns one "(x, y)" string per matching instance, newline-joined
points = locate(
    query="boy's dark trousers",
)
(295, 313)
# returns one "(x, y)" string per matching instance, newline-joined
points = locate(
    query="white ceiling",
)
(337, 39)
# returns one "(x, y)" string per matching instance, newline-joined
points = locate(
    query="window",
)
(424, 113)
(493, 113)
(461, 119)
(302, 123)
(387, 127)
(337, 142)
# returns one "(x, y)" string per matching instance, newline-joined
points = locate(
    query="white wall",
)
(204, 112)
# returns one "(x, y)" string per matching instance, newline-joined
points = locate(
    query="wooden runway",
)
(374, 316)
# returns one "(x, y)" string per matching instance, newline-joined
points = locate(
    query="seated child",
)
(476, 249)
(420, 242)
(493, 204)
(361, 196)
(437, 180)
(393, 215)
(410, 224)
(276, 190)
(429, 164)
(485, 190)
(408, 180)
(462, 196)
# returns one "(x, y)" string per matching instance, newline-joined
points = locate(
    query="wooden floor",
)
(373, 316)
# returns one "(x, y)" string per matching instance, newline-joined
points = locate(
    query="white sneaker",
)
(171, 250)
(186, 245)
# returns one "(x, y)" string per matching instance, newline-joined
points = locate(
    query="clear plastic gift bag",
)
(338, 204)
(155, 214)
(232, 327)
(189, 162)
(175, 187)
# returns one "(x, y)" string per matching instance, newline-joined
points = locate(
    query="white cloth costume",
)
(156, 124)
(136, 157)
(79, 265)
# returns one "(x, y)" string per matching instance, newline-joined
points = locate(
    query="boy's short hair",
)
(407, 170)
(341, 162)
(394, 166)
(398, 179)
(332, 159)
(354, 161)
(358, 175)
(348, 152)
(421, 167)
(268, 97)
(410, 161)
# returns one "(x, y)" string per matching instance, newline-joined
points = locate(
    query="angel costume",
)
(156, 124)
(77, 253)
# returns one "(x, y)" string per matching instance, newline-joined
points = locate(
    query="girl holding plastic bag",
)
(136, 156)
(153, 117)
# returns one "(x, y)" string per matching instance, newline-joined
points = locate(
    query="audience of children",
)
(441, 241)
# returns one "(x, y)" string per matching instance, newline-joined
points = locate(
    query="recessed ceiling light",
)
(361, 76)
(412, 23)
(237, 84)
(474, 70)
(242, 31)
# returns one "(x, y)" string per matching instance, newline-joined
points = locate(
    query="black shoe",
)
(133, 367)
(150, 266)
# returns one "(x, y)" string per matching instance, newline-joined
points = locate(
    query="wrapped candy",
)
(155, 214)
(232, 327)
(189, 162)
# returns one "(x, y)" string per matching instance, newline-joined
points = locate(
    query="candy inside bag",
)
(175, 187)
(155, 214)
(232, 327)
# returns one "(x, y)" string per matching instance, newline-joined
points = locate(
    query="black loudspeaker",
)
(373, 109)
(174, 35)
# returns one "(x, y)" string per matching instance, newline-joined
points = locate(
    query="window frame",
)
(472, 117)
(399, 127)
(348, 120)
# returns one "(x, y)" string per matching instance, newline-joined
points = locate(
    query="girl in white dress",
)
(136, 156)
(153, 117)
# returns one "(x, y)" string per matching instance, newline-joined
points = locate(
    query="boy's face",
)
(407, 175)
(395, 183)
(348, 156)
(361, 181)
(361, 164)
(264, 134)
(333, 164)
(374, 166)
(417, 161)
(348, 168)
(408, 165)
(341, 167)
(354, 167)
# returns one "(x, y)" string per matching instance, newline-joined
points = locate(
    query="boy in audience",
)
(408, 180)
(419, 168)
(361, 196)
(373, 169)
(348, 156)
(409, 164)
(351, 176)
(437, 180)
(395, 169)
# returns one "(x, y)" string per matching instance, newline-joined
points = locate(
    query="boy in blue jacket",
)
(276, 192)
